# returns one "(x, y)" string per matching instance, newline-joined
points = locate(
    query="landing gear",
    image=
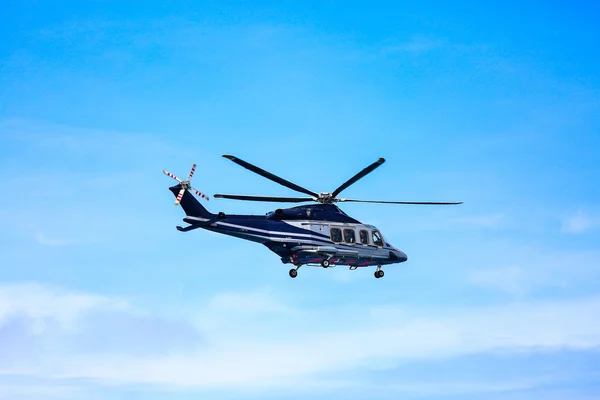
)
(379, 273)
(294, 271)
(325, 263)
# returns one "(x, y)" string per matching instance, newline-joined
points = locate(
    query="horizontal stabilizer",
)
(187, 228)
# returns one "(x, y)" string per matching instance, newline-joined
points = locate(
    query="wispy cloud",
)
(417, 44)
(53, 242)
(510, 279)
(60, 140)
(522, 271)
(260, 301)
(61, 241)
(481, 221)
(26, 390)
(446, 388)
(80, 178)
(285, 349)
(579, 223)
(40, 302)
(288, 359)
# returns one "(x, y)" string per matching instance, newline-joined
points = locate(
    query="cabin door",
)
(318, 230)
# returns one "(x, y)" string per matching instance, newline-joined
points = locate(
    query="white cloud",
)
(69, 141)
(40, 302)
(38, 391)
(445, 388)
(259, 301)
(417, 44)
(510, 279)
(62, 241)
(579, 223)
(481, 221)
(284, 349)
(518, 269)
(52, 242)
(291, 358)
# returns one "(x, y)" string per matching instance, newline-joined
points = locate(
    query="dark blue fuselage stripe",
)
(263, 230)
(268, 236)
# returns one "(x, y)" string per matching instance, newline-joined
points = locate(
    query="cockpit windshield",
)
(377, 240)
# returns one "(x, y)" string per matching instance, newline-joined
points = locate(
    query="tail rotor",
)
(185, 185)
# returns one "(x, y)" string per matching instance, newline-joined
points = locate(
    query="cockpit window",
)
(349, 236)
(364, 236)
(377, 239)
(336, 235)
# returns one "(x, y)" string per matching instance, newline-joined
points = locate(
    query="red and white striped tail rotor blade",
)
(179, 196)
(191, 172)
(200, 194)
(171, 175)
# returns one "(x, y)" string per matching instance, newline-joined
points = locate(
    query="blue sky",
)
(496, 105)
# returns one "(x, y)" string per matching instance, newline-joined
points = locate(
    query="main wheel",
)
(379, 274)
(325, 263)
(375, 274)
(293, 273)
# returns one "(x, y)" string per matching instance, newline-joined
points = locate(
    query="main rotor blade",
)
(358, 176)
(264, 198)
(435, 203)
(270, 176)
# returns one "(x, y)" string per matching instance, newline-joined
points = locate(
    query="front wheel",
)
(293, 273)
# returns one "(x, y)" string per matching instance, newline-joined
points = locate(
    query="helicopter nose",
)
(402, 255)
(398, 255)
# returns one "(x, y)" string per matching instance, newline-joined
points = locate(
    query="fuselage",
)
(308, 235)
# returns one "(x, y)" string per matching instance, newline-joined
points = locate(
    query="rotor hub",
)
(185, 185)
(325, 198)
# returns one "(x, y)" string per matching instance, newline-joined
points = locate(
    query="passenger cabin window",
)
(377, 239)
(336, 235)
(349, 236)
(364, 236)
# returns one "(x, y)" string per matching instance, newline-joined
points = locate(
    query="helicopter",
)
(319, 234)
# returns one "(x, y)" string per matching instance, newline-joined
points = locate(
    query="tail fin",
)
(191, 206)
